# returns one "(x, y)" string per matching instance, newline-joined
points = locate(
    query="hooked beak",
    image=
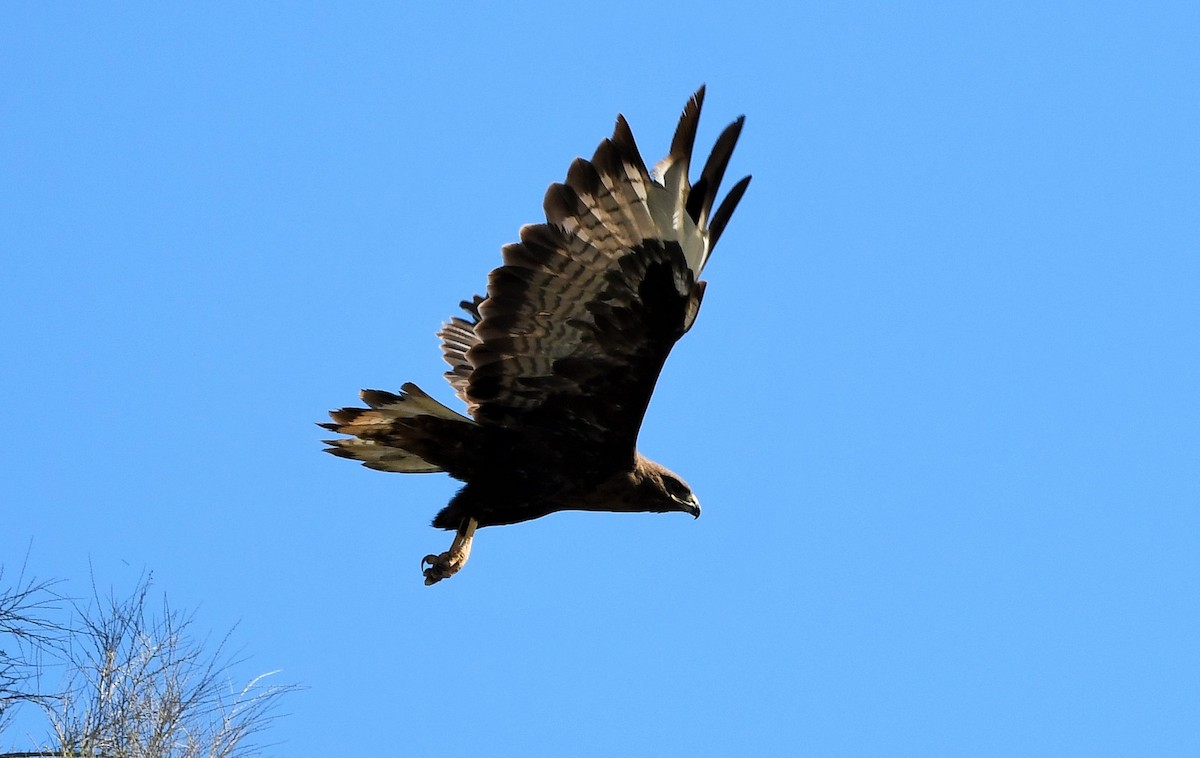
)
(692, 507)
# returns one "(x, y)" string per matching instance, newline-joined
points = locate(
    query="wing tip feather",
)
(725, 211)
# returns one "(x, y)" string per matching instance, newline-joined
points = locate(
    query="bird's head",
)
(666, 490)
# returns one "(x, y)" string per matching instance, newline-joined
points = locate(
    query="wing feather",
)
(458, 336)
(577, 323)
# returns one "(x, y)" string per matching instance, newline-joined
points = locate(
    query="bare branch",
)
(26, 635)
(139, 685)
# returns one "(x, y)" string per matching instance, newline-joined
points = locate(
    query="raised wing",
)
(578, 321)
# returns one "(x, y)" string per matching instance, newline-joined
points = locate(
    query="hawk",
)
(557, 362)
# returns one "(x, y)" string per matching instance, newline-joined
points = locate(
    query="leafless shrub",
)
(137, 684)
(26, 633)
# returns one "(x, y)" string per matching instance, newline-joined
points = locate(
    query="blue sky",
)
(940, 407)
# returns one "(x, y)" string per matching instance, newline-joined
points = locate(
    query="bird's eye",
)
(676, 488)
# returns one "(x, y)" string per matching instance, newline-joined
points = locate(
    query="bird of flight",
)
(557, 362)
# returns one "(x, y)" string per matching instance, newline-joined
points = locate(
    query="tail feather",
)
(380, 457)
(408, 432)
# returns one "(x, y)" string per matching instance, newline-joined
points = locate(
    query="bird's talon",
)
(440, 567)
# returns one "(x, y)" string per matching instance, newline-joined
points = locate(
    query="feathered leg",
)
(450, 562)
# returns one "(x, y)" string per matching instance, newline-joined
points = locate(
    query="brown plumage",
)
(557, 363)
